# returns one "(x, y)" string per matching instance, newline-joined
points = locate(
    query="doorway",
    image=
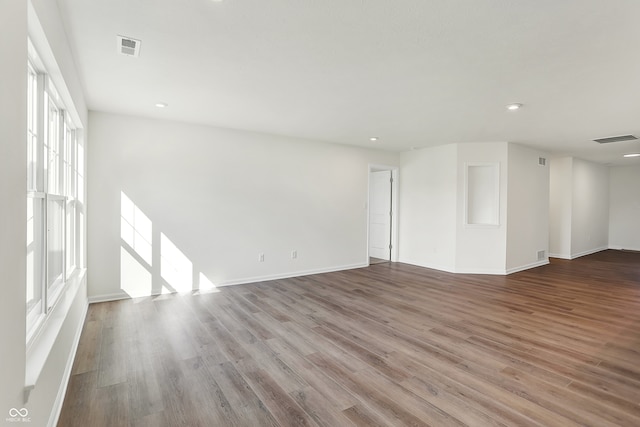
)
(382, 203)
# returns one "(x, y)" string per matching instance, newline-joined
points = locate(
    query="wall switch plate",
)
(261, 257)
(294, 254)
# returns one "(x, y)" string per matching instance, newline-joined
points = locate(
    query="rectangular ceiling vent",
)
(611, 139)
(128, 46)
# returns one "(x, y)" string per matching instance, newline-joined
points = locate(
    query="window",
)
(35, 260)
(35, 205)
(55, 210)
(32, 131)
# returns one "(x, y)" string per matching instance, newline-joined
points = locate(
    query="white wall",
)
(427, 210)
(48, 33)
(479, 248)
(579, 208)
(13, 172)
(560, 188)
(433, 232)
(624, 211)
(222, 197)
(590, 208)
(528, 208)
(17, 19)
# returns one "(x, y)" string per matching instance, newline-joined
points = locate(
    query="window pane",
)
(32, 130)
(71, 237)
(34, 252)
(80, 237)
(69, 161)
(53, 150)
(55, 242)
(32, 161)
(79, 169)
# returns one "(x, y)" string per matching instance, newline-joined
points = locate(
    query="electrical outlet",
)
(261, 257)
(294, 254)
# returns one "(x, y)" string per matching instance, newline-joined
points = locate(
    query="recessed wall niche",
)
(482, 194)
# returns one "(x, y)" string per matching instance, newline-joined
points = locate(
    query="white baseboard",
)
(580, 254)
(560, 256)
(620, 248)
(66, 376)
(498, 272)
(243, 281)
(109, 297)
(448, 269)
(527, 267)
(438, 267)
(589, 252)
(494, 272)
(290, 275)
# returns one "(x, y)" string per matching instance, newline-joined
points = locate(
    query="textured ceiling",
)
(415, 73)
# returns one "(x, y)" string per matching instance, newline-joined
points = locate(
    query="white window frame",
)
(70, 162)
(36, 312)
(35, 192)
(54, 288)
(50, 142)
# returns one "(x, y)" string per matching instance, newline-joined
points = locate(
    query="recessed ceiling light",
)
(161, 104)
(373, 138)
(632, 155)
(513, 107)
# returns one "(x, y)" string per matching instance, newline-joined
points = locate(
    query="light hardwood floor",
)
(387, 345)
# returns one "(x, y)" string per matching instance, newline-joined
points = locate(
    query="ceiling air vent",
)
(128, 46)
(615, 139)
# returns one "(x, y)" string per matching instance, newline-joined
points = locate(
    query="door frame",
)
(394, 206)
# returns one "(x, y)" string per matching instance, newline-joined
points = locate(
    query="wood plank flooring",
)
(387, 345)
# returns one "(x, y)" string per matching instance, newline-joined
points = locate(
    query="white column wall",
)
(560, 205)
(481, 249)
(624, 212)
(528, 208)
(590, 208)
(579, 208)
(428, 188)
(432, 229)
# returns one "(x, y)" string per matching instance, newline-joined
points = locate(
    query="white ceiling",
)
(415, 73)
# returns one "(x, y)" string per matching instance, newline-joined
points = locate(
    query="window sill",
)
(40, 345)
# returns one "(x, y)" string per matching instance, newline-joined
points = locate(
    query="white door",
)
(380, 215)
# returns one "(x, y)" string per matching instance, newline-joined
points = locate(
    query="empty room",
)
(329, 213)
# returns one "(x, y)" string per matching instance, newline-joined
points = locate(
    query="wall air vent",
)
(128, 46)
(542, 255)
(611, 139)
